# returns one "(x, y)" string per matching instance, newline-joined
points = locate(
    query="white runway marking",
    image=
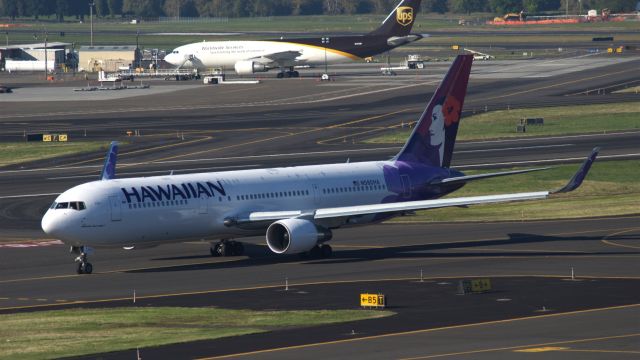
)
(27, 195)
(31, 244)
(165, 172)
(514, 148)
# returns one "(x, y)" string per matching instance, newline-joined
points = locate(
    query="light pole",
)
(325, 42)
(46, 57)
(91, 4)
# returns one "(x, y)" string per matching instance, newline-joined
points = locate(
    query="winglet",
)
(579, 176)
(109, 168)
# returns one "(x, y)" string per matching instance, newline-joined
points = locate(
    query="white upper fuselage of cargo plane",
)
(227, 54)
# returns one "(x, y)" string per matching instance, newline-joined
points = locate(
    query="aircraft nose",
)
(171, 58)
(50, 224)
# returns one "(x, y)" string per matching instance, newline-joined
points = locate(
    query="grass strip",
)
(560, 120)
(76, 332)
(611, 188)
(19, 152)
(110, 32)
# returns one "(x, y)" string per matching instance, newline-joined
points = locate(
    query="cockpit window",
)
(53, 206)
(75, 205)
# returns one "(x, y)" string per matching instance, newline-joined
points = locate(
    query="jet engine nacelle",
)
(248, 67)
(294, 236)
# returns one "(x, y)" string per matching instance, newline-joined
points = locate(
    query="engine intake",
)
(248, 67)
(294, 236)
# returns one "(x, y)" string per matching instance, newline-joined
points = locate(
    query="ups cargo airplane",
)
(249, 57)
(297, 208)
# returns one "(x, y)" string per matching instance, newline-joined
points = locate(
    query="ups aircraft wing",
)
(283, 58)
(405, 206)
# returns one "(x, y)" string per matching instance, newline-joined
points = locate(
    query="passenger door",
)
(116, 210)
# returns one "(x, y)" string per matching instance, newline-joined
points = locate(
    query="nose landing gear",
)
(83, 266)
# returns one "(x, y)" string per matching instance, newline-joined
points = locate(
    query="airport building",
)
(108, 58)
(31, 57)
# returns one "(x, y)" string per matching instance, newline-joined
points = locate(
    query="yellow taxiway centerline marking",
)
(612, 243)
(146, 150)
(275, 286)
(284, 136)
(541, 349)
(423, 331)
(554, 85)
(601, 351)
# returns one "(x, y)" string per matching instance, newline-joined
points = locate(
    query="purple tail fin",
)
(431, 142)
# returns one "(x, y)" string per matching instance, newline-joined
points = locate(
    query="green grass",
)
(20, 152)
(76, 332)
(612, 188)
(562, 120)
(106, 31)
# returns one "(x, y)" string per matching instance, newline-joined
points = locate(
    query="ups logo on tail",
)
(404, 15)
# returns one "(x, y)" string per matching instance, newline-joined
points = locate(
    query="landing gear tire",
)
(227, 248)
(84, 266)
(214, 250)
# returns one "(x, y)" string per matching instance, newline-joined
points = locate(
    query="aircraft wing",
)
(425, 204)
(283, 58)
(398, 207)
(467, 178)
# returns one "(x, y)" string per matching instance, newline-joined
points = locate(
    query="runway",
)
(296, 122)
(528, 262)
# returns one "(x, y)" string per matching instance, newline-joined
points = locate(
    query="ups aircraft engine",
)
(295, 236)
(248, 67)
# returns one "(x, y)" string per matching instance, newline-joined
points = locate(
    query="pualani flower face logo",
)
(404, 15)
(451, 110)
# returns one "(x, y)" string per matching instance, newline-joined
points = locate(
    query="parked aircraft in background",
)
(249, 57)
(296, 207)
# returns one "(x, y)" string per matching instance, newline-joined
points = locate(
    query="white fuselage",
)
(225, 54)
(150, 210)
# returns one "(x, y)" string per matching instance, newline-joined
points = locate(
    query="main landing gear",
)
(320, 251)
(84, 266)
(227, 248)
(288, 74)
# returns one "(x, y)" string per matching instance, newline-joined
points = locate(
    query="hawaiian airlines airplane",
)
(297, 208)
(249, 57)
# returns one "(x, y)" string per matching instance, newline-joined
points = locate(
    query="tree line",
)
(78, 9)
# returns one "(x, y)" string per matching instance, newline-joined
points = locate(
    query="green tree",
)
(115, 7)
(435, 6)
(142, 8)
(10, 8)
(505, 6)
(101, 8)
(467, 6)
(62, 9)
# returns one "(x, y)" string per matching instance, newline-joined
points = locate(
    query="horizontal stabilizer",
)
(579, 176)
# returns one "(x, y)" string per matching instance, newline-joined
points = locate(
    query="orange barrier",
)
(535, 22)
